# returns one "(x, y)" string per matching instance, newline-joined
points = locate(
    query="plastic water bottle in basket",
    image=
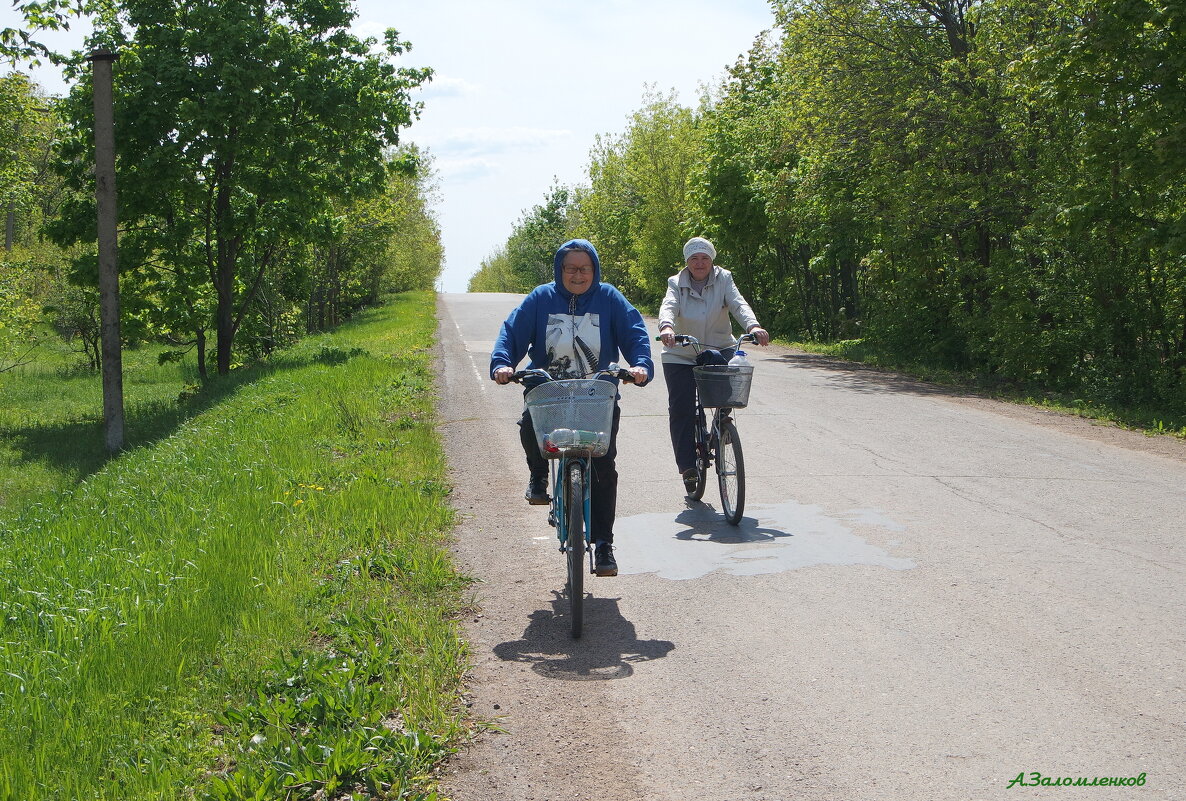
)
(579, 439)
(725, 385)
(572, 415)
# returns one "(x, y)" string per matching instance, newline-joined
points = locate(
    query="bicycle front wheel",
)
(730, 472)
(574, 546)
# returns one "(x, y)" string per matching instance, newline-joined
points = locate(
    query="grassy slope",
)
(253, 601)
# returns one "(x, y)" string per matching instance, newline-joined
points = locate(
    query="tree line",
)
(997, 187)
(263, 188)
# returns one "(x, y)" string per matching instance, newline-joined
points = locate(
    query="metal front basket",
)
(723, 385)
(572, 415)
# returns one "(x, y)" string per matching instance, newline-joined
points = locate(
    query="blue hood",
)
(550, 310)
(558, 263)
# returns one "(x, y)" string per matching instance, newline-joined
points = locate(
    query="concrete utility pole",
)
(113, 382)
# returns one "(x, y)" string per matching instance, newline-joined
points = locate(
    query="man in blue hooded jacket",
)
(572, 328)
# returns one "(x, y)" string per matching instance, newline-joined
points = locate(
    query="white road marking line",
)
(477, 373)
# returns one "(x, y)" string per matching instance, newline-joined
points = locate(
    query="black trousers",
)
(681, 412)
(603, 502)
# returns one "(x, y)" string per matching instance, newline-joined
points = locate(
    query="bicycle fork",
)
(558, 511)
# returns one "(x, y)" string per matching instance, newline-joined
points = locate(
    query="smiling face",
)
(699, 265)
(577, 271)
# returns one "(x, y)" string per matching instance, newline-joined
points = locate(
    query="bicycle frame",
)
(706, 435)
(708, 423)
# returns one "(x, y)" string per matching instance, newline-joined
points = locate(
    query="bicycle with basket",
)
(721, 388)
(573, 420)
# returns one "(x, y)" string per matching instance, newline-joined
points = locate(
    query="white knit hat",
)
(699, 244)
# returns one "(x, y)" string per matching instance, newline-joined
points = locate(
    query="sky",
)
(523, 87)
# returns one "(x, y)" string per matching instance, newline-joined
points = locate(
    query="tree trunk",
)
(200, 336)
(848, 288)
(226, 254)
(225, 315)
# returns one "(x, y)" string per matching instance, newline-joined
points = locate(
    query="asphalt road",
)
(931, 595)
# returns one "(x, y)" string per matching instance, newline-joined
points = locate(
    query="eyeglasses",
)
(578, 270)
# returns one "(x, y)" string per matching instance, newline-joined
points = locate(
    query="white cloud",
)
(442, 86)
(496, 140)
(463, 170)
(372, 29)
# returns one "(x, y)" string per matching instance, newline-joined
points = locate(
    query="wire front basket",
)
(573, 416)
(723, 385)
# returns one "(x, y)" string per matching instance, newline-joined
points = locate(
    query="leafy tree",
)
(881, 98)
(995, 186)
(661, 151)
(386, 243)
(745, 166)
(494, 275)
(17, 44)
(16, 175)
(28, 267)
(533, 243)
(73, 311)
(605, 211)
(1113, 189)
(29, 192)
(241, 123)
(21, 288)
(636, 208)
(413, 257)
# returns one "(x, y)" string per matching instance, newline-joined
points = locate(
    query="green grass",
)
(51, 435)
(1152, 421)
(254, 600)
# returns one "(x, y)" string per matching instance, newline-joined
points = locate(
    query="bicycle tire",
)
(730, 472)
(574, 513)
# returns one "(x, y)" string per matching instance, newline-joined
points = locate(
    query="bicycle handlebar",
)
(684, 340)
(615, 370)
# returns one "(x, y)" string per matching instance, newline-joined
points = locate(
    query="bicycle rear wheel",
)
(574, 513)
(730, 472)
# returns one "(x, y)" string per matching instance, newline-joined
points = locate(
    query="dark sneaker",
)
(537, 490)
(603, 560)
(690, 480)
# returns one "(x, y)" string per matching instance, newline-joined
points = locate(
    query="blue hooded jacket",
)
(571, 335)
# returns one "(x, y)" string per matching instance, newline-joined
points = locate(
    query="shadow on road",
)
(607, 648)
(867, 378)
(705, 523)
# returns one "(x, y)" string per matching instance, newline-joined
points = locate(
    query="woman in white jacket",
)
(700, 299)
